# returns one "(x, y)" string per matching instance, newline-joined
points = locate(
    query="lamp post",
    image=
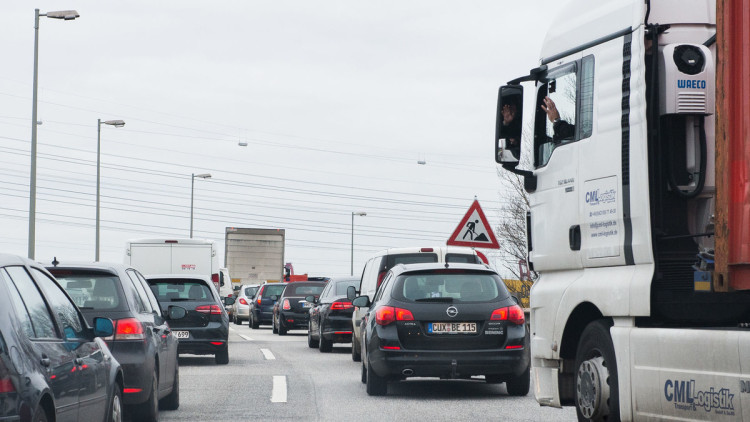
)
(361, 214)
(115, 123)
(192, 189)
(63, 14)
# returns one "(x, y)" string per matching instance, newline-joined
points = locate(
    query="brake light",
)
(286, 306)
(380, 278)
(513, 314)
(385, 315)
(243, 301)
(6, 384)
(514, 346)
(426, 250)
(209, 309)
(129, 329)
(260, 295)
(215, 278)
(341, 305)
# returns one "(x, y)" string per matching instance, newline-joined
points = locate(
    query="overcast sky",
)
(337, 101)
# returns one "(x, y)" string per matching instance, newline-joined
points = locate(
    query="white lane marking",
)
(267, 354)
(245, 337)
(278, 394)
(231, 329)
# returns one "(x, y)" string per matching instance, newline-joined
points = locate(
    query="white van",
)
(174, 256)
(379, 264)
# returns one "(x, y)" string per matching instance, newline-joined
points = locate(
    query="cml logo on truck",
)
(597, 197)
(686, 397)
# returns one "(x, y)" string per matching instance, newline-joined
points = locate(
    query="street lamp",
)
(63, 14)
(192, 189)
(115, 123)
(361, 214)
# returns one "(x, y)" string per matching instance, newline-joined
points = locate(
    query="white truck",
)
(175, 256)
(638, 178)
(254, 255)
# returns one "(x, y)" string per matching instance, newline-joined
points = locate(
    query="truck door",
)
(555, 226)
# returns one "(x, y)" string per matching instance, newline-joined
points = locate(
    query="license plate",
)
(182, 334)
(306, 304)
(452, 327)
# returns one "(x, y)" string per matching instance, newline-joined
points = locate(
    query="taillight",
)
(513, 314)
(129, 329)
(215, 278)
(426, 250)
(209, 309)
(6, 384)
(385, 315)
(341, 305)
(286, 306)
(243, 301)
(380, 278)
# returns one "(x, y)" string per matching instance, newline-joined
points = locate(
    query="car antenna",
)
(55, 261)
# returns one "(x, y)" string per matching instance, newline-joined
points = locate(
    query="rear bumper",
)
(431, 363)
(137, 365)
(243, 312)
(202, 339)
(294, 320)
(337, 329)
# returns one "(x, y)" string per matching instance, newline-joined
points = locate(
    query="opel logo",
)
(451, 311)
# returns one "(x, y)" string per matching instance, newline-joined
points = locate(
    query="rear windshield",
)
(410, 258)
(341, 286)
(449, 286)
(92, 290)
(462, 258)
(250, 291)
(303, 289)
(271, 290)
(176, 290)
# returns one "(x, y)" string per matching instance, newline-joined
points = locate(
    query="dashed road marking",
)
(245, 337)
(268, 355)
(278, 394)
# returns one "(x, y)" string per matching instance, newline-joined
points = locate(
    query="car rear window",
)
(303, 289)
(271, 290)
(457, 286)
(341, 286)
(462, 258)
(176, 290)
(92, 290)
(410, 258)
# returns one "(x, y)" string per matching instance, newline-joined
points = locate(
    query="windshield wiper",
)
(436, 299)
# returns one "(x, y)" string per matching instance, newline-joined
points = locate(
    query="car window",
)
(41, 319)
(149, 294)
(140, 293)
(90, 290)
(327, 291)
(250, 291)
(72, 322)
(271, 290)
(173, 290)
(20, 308)
(462, 258)
(303, 289)
(383, 287)
(411, 258)
(343, 285)
(458, 286)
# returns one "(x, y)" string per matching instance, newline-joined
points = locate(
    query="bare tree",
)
(511, 232)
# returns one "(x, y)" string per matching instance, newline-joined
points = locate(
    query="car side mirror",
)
(103, 327)
(361, 301)
(351, 292)
(508, 125)
(176, 312)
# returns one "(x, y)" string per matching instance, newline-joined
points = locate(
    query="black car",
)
(143, 342)
(53, 365)
(444, 320)
(205, 329)
(261, 308)
(291, 311)
(331, 315)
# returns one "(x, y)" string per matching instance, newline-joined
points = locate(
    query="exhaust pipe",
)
(407, 372)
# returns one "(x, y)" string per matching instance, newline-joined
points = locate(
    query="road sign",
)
(474, 230)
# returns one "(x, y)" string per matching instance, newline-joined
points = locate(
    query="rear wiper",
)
(436, 299)
(178, 299)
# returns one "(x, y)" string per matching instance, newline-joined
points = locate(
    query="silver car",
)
(241, 307)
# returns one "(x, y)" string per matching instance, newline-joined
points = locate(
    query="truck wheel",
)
(355, 349)
(311, 342)
(597, 394)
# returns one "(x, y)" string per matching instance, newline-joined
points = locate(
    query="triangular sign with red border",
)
(474, 230)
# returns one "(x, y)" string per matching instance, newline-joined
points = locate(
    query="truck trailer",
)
(254, 256)
(636, 159)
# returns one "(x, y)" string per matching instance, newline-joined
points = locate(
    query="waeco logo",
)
(685, 396)
(691, 83)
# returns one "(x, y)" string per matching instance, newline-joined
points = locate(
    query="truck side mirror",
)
(508, 125)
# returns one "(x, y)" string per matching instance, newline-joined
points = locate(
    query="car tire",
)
(172, 401)
(325, 346)
(274, 328)
(114, 411)
(222, 356)
(148, 411)
(595, 360)
(355, 350)
(519, 386)
(40, 415)
(253, 324)
(376, 385)
(237, 321)
(311, 342)
(281, 330)
(364, 373)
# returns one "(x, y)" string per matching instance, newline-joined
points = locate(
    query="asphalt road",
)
(270, 377)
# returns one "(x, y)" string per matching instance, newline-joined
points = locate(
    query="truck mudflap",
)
(545, 373)
(686, 374)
